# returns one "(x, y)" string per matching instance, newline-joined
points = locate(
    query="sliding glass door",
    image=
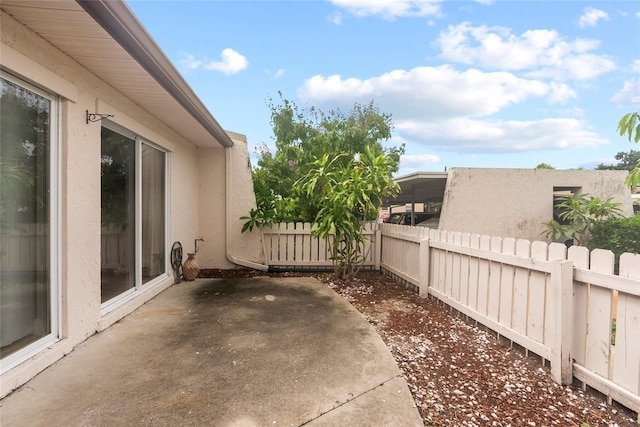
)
(117, 242)
(27, 198)
(133, 240)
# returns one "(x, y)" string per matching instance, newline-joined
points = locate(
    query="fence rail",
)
(293, 245)
(567, 306)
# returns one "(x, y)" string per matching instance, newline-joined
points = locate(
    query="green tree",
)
(544, 166)
(351, 189)
(629, 125)
(626, 161)
(303, 136)
(578, 214)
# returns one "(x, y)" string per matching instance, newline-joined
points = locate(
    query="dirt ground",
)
(459, 373)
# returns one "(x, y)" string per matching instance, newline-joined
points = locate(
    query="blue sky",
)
(467, 83)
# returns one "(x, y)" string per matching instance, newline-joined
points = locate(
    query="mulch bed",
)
(460, 374)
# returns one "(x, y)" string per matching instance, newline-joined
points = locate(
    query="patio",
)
(241, 352)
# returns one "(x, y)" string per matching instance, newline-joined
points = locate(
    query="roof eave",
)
(118, 20)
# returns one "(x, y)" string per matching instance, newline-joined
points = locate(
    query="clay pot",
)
(190, 267)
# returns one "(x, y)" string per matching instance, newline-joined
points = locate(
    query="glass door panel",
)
(117, 214)
(25, 263)
(153, 213)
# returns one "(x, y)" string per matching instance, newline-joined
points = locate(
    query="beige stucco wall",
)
(516, 202)
(27, 56)
(223, 170)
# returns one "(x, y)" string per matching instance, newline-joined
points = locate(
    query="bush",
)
(619, 235)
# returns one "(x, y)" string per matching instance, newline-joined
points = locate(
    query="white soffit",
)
(72, 29)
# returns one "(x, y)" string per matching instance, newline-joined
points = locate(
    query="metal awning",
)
(419, 187)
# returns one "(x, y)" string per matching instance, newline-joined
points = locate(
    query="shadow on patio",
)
(225, 352)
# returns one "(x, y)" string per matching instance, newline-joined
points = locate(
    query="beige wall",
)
(27, 56)
(241, 199)
(223, 170)
(516, 202)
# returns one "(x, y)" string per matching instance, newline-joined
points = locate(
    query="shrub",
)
(580, 212)
(619, 235)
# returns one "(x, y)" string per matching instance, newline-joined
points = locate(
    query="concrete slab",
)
(225, 352)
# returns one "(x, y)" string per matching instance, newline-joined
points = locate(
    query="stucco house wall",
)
(225, 175)
(197, 192)
(516, 202)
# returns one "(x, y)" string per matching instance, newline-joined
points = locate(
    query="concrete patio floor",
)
(225, 352)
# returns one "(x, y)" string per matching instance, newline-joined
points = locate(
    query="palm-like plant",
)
(578, 214)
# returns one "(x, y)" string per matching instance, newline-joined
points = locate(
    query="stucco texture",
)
(196, 196)
(516, 202)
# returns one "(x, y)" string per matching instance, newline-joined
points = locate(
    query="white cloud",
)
(232, 62)
(418, 161)
(275, 74)
(572, 111)
(469, 136)
(591, 17)
(433, 93)
(189, 62)
(336, 18)
(390, 9)
(540, 53)
(629, 94)
(560, 93)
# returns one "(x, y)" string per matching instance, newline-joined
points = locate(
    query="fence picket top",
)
(509, 246)
(485, 242)
(465, 240)
(539, 250)
(450, 237)
(557, 251)
(424, 233)
(496, 244)
(602, 261)
(580, 256)
(523, 248)
(630, 265)
(457, 239)
(475, 241)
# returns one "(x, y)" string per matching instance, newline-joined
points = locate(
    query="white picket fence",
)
(25, 249)
(560, 304)
(291, 245)
(566, 306)
(517, 289)
(608, 362)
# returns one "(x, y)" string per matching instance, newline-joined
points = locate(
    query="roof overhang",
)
(105, 37)
(420, 187)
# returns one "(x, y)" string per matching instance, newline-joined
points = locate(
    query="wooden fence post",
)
(378, 247)
(424, 261)
(562, 298)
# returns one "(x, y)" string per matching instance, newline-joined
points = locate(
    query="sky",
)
(498, 84)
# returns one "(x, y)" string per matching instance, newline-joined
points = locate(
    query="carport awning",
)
(419, 187)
